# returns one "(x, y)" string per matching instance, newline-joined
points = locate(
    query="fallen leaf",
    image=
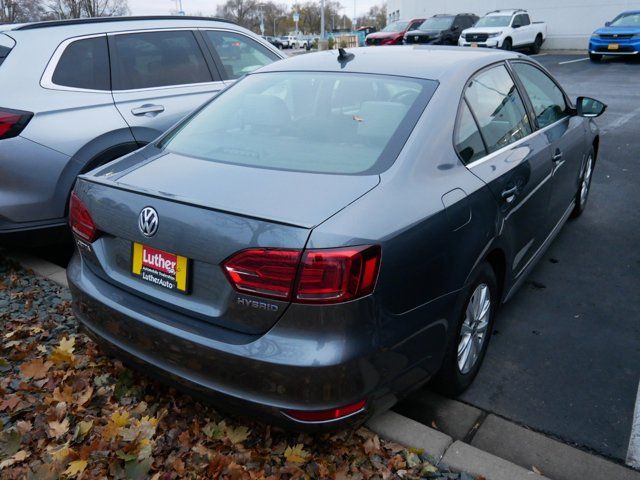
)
(296, 454)
(536, 470)
(82, 428)
(215, 431)
(76, 467)
(63, 353)
(16, 458)
(237, 435)
(35, 369)
(64, 395)
(85, 396)
(58, 429)
(24, 426)
(372, 445)
(9, 403)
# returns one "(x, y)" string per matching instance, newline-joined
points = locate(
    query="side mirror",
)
(455, 28)
(607, 24)
(589, 107)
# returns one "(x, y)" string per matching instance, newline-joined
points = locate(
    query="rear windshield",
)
(6, 44)
(319, 122)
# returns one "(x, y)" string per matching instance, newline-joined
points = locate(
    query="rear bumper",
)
(291, 367)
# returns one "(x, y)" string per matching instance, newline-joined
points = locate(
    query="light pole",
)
(322, 33)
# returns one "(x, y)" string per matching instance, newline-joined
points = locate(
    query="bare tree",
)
(12, 11)
(62, 9)
(243, 12)
(105, 8)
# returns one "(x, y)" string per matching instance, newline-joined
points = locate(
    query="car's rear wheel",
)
(595, 57)
(537, 45)
(507, 44)
(585, 186)
(468, 343)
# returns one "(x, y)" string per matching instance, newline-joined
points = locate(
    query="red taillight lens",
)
(263, 271)
(80, 220)
(12, 122)
(326, 276)
(325, 415)
(329, 276)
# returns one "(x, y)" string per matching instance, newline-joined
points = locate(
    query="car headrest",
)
(265, 111)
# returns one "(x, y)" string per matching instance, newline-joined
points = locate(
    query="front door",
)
(158, 78)
(565, 133)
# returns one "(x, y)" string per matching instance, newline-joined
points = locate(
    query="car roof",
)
(419, 61)
(630, 12)
(505, 12)
(82, 26)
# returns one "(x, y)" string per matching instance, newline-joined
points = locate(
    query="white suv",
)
(506, 29)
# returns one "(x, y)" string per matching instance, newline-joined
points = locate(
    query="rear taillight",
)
(80, 220)
(317, 276)
(265, 272)
(12, 122)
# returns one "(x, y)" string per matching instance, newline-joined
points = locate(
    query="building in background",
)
(569, 22)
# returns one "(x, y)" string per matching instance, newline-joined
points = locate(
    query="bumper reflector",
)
(326, 415)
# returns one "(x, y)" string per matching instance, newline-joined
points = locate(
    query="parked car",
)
(441, 29)
(313, 276)
(275, 41)
(83, 92)
(285, 42)
(393, 34)
(506, 29)
(291, 41)
(619, 37)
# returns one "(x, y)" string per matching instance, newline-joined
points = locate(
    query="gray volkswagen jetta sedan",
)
(334, 230)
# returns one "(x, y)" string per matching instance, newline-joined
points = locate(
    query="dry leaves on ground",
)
(67, 411)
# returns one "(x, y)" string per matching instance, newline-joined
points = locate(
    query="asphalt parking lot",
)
(565, 356)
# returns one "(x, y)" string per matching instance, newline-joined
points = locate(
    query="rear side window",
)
(498, 108)
(546, 97)
(468, 140)
(239, 54)
(6, 44)
(157, 59)
(84, 64)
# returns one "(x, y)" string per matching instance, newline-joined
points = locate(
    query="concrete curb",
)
(40, 267)
(455, 455)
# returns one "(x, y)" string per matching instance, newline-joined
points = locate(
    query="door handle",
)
(148, 110)
(509, 194)
(557, 157)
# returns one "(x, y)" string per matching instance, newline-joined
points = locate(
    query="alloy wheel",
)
(586, 181)
(473, 332)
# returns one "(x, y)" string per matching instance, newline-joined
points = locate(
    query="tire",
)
(507, 44)
(582, 196)
(595, 57)
(537, 45)
(456, 374)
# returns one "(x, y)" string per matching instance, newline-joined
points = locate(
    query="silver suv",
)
(76, 94)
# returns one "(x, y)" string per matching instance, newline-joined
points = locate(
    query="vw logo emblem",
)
(148, 222)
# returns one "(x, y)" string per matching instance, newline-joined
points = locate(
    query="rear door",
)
(495, 139)
(158, 77)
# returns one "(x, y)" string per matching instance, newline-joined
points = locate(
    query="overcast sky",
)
(208, 7)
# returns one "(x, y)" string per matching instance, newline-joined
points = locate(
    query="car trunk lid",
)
(227, 209)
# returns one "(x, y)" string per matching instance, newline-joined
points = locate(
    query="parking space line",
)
(633, 453)
(538, 54)
(573, 61)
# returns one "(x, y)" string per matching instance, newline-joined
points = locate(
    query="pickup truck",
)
(506, 29)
